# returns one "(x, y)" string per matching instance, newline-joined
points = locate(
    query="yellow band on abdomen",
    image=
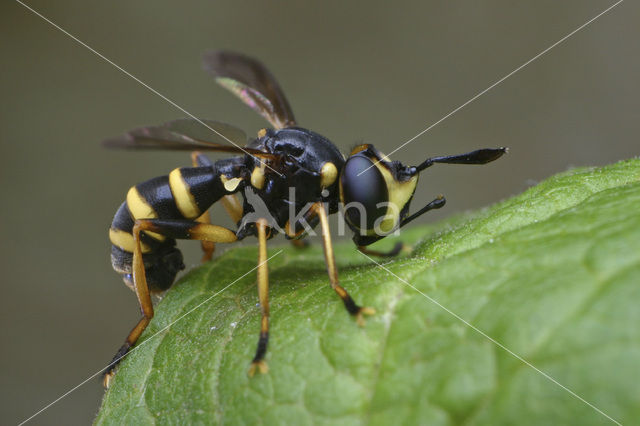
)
(124, 240)
(185, 201)
(141, 209)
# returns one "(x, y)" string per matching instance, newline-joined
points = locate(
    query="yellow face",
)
(400, 193)
(374, 192)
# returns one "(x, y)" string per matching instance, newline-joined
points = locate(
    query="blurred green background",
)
(374, 72)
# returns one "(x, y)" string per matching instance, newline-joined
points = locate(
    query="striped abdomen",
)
(185, 194)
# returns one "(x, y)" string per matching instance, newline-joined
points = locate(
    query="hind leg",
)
(177, 229)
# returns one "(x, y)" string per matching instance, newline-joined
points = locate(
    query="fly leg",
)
(258, 362)
(351, 306)
(177, 229)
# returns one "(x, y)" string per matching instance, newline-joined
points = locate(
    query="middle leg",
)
(258, 362)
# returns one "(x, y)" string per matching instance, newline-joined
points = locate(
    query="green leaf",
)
(552, 274)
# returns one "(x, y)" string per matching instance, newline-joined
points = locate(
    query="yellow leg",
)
(333, 271)
(233, 207)
(294, 234)
(258, 362)
(174, 229)
(144, 300)
(208, 247)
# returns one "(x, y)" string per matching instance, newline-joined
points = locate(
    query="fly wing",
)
(185, 135)
(252, 82)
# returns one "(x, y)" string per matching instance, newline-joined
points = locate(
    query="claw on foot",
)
(110, 371)
(261, 366)
(106, 379)
(361, 313)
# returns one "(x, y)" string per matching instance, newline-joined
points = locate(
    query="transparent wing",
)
(185, 135)
(250, 80)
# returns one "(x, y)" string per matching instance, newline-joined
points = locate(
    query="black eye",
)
(362, 193)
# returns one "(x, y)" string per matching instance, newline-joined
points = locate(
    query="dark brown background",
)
(353, 72)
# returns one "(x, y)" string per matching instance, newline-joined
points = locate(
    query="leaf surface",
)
(552, 274)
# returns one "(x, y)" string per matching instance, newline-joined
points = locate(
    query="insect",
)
(298, 176)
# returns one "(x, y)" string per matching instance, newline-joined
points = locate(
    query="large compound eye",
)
(362, 193)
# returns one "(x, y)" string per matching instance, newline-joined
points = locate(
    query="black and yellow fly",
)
(298, 175)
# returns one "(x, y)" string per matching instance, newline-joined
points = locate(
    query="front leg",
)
(351, 306)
